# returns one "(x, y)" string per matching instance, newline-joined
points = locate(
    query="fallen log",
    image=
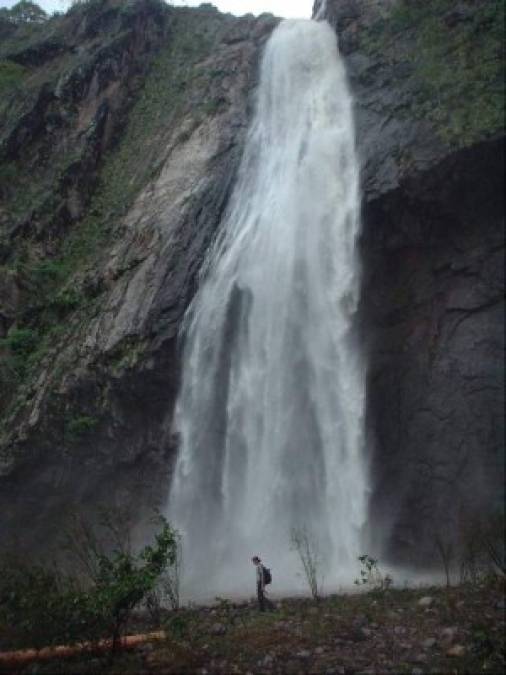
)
(25, 656)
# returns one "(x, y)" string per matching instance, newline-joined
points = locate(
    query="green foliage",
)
(77, 428)
(45, 273)
(125, 354)
(457, 62)
(42, 606)
(65, 301)
(21, 341)
(41, 318)
(38, 606)
(166, 591)
(42, 315)
(26, 12)
(177, 626)
(21, 344)
(175, 86)
(11, 75)
(174, 80)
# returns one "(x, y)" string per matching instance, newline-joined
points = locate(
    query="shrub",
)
(77, 427)
(66, 301)
(21, 341)
(167, 590)
(42, 606)
(307, 549)
(22, 344)
(445, 549)
(11, 75)
(26, 12)
(371, 576)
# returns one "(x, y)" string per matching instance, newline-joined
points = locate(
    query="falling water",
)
(271, 408)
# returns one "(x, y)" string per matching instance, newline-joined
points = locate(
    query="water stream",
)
(271, 407)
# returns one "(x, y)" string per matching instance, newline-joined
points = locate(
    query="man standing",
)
(263, 601)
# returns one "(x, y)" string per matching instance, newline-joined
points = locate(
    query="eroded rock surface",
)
(433, 296)
(91, 423)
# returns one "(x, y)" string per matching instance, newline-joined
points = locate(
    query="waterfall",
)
(271, 408)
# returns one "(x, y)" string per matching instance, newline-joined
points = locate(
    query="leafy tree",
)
(41, 605)
(26, 12)
(119, 580)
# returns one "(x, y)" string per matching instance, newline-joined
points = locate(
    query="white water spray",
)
(271, 409)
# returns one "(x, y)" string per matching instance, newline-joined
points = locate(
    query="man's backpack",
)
(267, 575)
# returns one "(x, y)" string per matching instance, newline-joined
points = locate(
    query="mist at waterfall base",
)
(271, 408)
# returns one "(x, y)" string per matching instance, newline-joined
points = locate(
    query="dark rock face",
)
(433, 307)
(432, 310)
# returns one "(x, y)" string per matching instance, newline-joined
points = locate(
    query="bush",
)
(42, 606)
(22, 343)
(26, 12)
(371, 576)
(167, 590)
(11, 75)
(77, 427)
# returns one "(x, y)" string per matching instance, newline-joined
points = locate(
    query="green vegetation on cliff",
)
(56, 259)
(173, 83)
(11, 75)
(89, 124)
(455, 53)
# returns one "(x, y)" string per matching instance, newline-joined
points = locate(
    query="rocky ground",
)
(416, 631)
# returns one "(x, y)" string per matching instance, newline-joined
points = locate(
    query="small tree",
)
(307, 549)
(27, 12)
(371, 576)
(120, 580)
(167, 590)
(444, 547)
(492, 541)
(170, 580)
(44, 606)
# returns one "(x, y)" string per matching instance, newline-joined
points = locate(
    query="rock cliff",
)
(120, 135)
(431, 140)
(123, 152)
